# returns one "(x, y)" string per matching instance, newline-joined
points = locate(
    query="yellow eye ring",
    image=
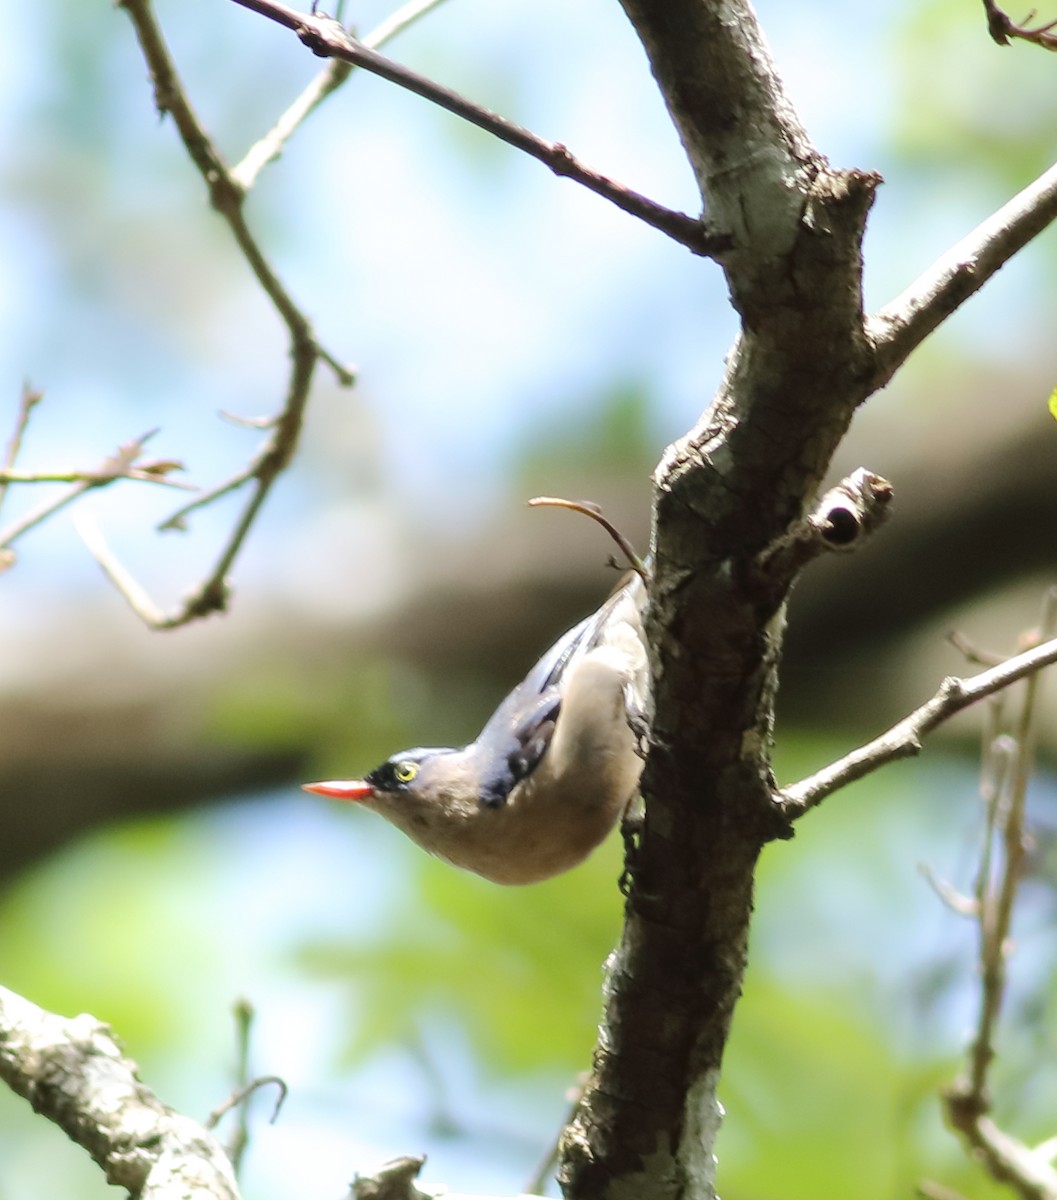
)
(405, 771)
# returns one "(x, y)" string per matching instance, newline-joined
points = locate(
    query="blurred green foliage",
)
(841, 1042)
(518, 971)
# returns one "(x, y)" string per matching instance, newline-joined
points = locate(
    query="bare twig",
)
(124, 463)
(136, 596)
(903, 740)
(1003, 793)
(145, 474)
(964, 906)
(931, 1190)
(27, 402)
(227, 192)
(544, 1172)
(996, 764)
(592, 510)
(324, 84)
(1003, 30)
(246, 1087)
(971, 652)
(902, 325)
(1007, 768)
(397, 22)
(328, 38)
(235, 1100)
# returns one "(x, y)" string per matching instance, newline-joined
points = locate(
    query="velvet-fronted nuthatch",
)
(551, 772)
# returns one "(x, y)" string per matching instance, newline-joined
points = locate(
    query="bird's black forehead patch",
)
(384, 777)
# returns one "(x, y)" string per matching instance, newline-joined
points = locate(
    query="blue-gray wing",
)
(517, 735)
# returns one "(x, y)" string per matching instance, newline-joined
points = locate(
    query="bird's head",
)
(421, 791)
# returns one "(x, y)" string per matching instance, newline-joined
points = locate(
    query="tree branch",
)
(124, 463)
(729, 504)
(1003, 30)
(28, 400)
(227, 193)
(903, 740)
(329, 79)
(904, 323)
(328, 38)
(1007, 769)
(74, 1073)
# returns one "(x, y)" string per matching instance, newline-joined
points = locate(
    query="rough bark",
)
(74, 1073)
(726, 496)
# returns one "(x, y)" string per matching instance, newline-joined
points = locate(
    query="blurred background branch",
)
(227, 192)
(1008, 769)
(327, 37)
(77, 1076)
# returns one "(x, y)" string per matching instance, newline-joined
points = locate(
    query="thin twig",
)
(971, 652)
(94, 478)
(124, 463)
(964, 906)
(245, 1088)
(931, 1190)
(1007, 767)
(544, 1172)
(398, 21)
(176, 520)
(328, 38)
(28, 400)
(235, 1100)
(592, 510)
(227, 193)
(903, 740)
(41, 513)
(1005, 817)
(994, 909)
(326, 82)
(995, 768)
(136, 596)
(903, 324)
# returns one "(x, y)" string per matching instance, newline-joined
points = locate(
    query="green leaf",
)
(1053, 404)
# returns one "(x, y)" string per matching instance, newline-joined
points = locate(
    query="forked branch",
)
(227, 191)
(1007, 768)
(329, 38)
(1004, 30)
(327, 81)
(903, 324)
(904, 739)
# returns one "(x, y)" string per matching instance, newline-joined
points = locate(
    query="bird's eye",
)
(405, 771)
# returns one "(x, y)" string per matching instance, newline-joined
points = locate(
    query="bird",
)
(551, 772)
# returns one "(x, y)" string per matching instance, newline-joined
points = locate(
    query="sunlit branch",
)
(903, 740)
(75, 1074)
(328, 38)
(124, 463)
(327, 81)
(29, 398)
(1007, 768)
(226, 195)
(903, 324)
